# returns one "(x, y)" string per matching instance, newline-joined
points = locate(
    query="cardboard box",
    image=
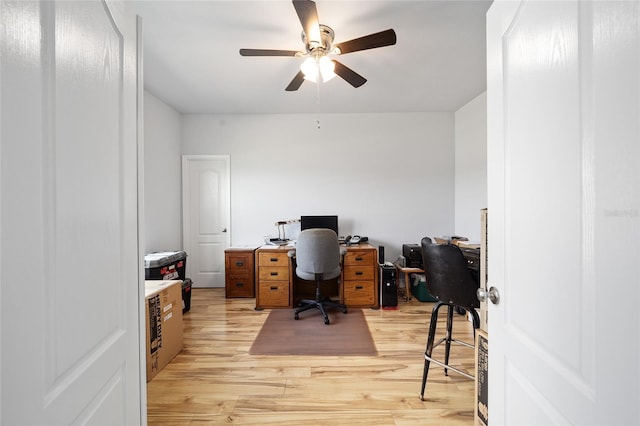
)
(163, 313)
(481, 411)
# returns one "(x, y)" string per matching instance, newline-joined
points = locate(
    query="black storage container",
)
(186, 295)
(166, 265)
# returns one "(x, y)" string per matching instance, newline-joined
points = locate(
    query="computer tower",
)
(413, 255)
(388, 287)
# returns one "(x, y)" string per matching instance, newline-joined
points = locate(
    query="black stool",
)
(452, 284)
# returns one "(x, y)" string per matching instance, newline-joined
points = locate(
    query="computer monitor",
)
(328, 222)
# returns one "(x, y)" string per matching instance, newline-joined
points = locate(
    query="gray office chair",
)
(452, 284)
(318, 258)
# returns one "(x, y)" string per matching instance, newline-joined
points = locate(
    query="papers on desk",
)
(278, 242)
(275, 245)
(468, 244)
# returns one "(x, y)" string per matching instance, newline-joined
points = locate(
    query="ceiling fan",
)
(318, 43)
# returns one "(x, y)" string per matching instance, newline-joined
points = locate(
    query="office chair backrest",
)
(317, 251)
(448, 278)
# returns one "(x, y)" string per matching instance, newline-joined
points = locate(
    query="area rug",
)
(348, 334)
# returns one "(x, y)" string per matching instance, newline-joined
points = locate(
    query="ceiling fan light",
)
(327, 67)
(310, 69)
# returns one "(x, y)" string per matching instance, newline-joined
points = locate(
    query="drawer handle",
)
(359, 287)
(358, 258)
(274, 287)
(239, 284)
(359, 273)
(273, 259)
(239, 263)
(274, 274)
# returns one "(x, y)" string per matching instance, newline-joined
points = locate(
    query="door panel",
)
(206, 210)
(563, 153)
(545, 76)
(70, 269)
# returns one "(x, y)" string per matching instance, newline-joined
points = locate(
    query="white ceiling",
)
(191, 58)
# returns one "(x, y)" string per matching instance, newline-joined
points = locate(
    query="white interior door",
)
(206, 211)
(70, 266)
(564, 211)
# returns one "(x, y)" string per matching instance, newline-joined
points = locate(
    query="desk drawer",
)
(359, 272)
(359, 257)
(273, 259)
(239, 263)
(274, 294)
(359, 293)
(239, 285)
(276, 273)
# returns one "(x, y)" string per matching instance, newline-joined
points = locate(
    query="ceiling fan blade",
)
(308, 15)
(296, 82)
(267, 52)
(349, 75)
(371, 41)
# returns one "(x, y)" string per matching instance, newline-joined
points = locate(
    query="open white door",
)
(70, 267)
(205, 215)
(564, 212)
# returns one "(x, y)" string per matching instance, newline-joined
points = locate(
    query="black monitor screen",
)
(329, 222)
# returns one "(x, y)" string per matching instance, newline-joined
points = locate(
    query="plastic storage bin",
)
(419, 289)
(186, 295)
(166, 265)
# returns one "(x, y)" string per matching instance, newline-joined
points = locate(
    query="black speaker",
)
(388, 287)
(380, 255)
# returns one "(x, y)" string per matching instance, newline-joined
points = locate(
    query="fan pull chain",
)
(318, 91)
(318, 99)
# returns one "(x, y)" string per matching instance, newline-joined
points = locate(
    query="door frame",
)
(142, 320)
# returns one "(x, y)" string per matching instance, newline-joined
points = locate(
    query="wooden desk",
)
(276, 278)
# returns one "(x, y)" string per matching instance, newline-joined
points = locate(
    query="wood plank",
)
(215, 380)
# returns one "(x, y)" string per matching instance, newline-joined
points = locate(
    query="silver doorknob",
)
(492, 294)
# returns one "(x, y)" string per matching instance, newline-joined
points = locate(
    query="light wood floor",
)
(214, 380)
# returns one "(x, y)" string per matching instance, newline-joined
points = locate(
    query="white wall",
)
(392, 177)
(387, 176)
(162, 176)
(470, 167)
